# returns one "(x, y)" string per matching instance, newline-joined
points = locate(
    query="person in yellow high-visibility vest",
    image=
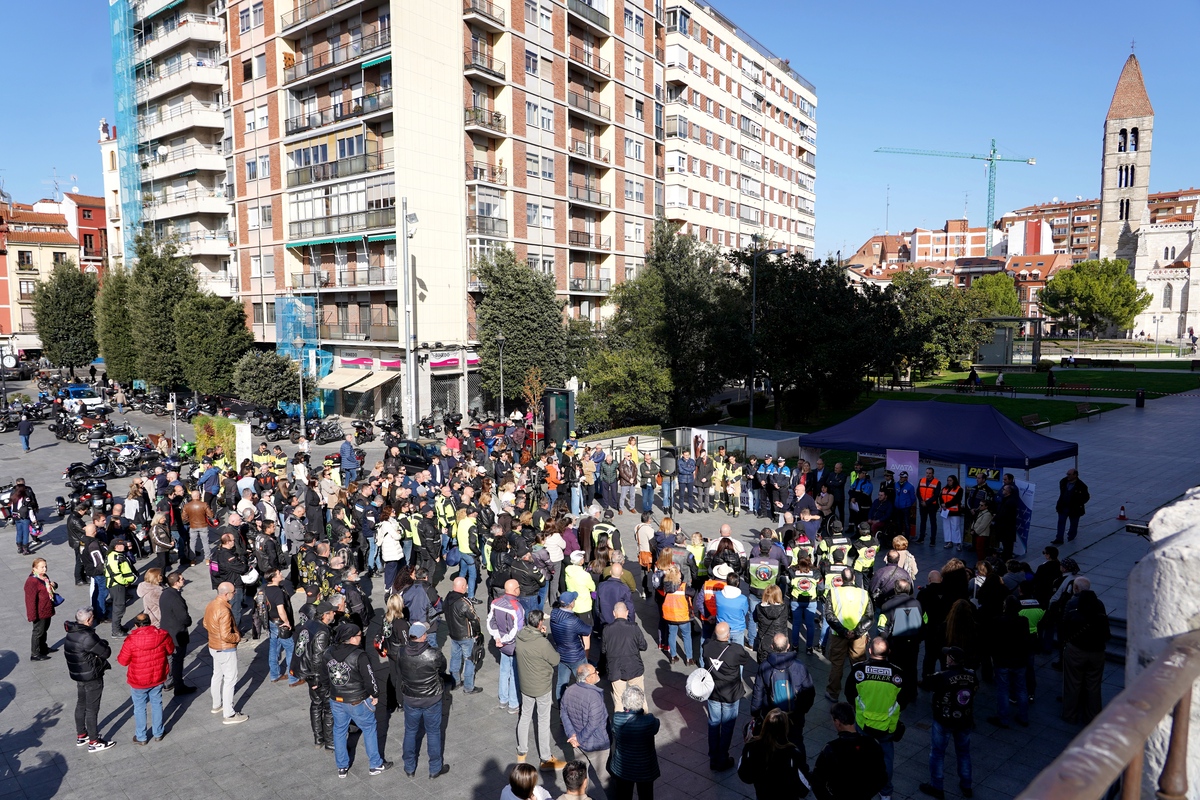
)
(848, 612)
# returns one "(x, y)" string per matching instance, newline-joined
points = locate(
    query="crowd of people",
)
(544, 583)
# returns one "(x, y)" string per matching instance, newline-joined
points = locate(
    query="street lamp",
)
(1157, 319)
(500, 345)
(778, 251)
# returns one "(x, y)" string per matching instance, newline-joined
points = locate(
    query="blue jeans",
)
(468, 569)
(687, 495)
(22, 533)
(753, 601)
(99, 598)
(363, 715)
(1012, 679)
(529, 603)
(668, 494)
(552, 494)
(350, 475)
(1071, 532)
(140, 698)
(755, 496)
(564, 672)
(274, 646)
(507, 692)
(25, 443)
(706, 632)
(889, 760)
(406, 545)
(738, 637)
(460, 659)
(804, 612)
(648, 497)
(939, 740)
(576, 500)
(431, 718)
(722, 719)
(683, 629)
(373, 560)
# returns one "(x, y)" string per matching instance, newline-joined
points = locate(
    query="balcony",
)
(186, 203)
(340, 112)
(592, 152)
(95, 252)
(114, 213)
(660, 172)
(311, 280)
(480, 64)
(754, 165)
(806, 211)
(183, 159)
(590, 285)
(582, 194)
(343, 167)
(28, 327)
(170, 80)
(220, 284)
(343, 223)
(677, 127)
(306, 11)
(187, 28)
(172, 120)
(476, 117)
(360, 332)
(589, 241)
(486, 226)
(591, 15)
(206, 243)
(316, 63)
(485, 14)
(488, 173)
(372, 276)
(592, 61)
(474, 284)
(589, 106)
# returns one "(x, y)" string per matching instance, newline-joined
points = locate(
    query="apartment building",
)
(36, 241)
(110, 170)
(740, 135)
(956, 239)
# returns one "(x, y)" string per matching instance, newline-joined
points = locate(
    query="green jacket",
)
(118, 571)
(536, 662)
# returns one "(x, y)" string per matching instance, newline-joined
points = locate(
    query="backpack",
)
(700, 683)
(906, 622)
(782, 696)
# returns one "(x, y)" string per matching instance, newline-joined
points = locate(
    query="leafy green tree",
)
(521, 304)
(935, 323)
(64, 311)
(267, 378)
(1099, 294)
(996, 295)
(211, 334)
(114, 333)
(581, 344)
(161, 280)
(624, 388)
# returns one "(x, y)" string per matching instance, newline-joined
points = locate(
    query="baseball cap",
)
(954, 652)
(608, 513)
(577, 557)
(347, 631)
(417, 630)
(566, 598)
(324, 608)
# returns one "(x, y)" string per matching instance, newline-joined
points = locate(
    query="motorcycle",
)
(393, 430)
(452, 421)
(92, 491)
(103, 466)
(329, 430)
(8, 421)
(364, 431)
(426, 429)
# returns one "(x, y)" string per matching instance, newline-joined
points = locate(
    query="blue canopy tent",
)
(955, 432)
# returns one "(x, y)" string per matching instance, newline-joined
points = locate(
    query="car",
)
(416, 456)
(83, 393)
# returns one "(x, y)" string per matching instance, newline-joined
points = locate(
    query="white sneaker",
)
(235, 719)
(217, 710)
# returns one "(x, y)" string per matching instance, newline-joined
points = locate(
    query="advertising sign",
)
(1024, 515)
(905, 461)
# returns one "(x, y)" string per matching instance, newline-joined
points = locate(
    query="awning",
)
(342, 377)
(375, 61)
(164, 8)
(325, 240)
(383, 237)
(378, 378)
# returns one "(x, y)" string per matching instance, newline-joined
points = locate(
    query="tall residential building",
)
(740, 127)
(1125, 164)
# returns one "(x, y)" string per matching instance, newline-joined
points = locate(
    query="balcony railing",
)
(487, 226)
(332, 57)
(311, 280)
(485, 118)
(593, 151)
(585, 195)
(173, 112)
(590, 14)
(347, 109)
(590, 60)
(489, 10)
(169, 197)
(114, 213)
(181, 153)
(142, 86)
(477, 59)
(95, 252)
(592, 241)
(184, 23)
(489, 173)
(584, 103)
(26, 296)
(374, 276)
(343, 223)
(590, 285)
(360, 332)
(28, 327)
(308, 11)
(1114, 743)
(352, 165)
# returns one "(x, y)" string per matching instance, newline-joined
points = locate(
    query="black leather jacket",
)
(311, 643)
(461, 619)
(86, 653)
(421, 669)
(75, 525)
(346, 674)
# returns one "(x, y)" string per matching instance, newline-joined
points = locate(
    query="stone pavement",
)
(272, 756)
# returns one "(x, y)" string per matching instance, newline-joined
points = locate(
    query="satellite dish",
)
(1053, 199)
(75, 189)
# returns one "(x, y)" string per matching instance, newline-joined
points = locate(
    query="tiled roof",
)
(1130, 98)
(86, 200)
(42, 237)
(22, 217)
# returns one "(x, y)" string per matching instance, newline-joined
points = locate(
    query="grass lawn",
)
(1120, 383)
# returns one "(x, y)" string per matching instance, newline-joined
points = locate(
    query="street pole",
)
(1157, 319)
(500, 345)
(753, 327)
(299, 344)
(410, 364)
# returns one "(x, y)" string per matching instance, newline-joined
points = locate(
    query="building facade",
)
(110, 170)
(1125, 164)
(36, 242)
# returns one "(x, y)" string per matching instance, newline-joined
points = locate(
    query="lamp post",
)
(298, 342)
(1157, 319)
(500, 346)
(409, 223)
(753, 318)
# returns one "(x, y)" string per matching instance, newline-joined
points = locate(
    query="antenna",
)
(887, 213)
(966, 204)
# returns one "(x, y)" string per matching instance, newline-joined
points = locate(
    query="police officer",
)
(781, 481)
(873, 688)
(766, 487)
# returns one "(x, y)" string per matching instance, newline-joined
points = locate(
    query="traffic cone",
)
(1122, 514)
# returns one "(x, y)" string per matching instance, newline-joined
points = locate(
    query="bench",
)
(1080, 361)
(1074, 388)
(900, 383)
(1035, 421)
(1087, 409)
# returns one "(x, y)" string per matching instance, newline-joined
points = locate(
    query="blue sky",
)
(1037, 76)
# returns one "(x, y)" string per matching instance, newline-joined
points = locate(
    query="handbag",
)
(700, 683)
(58, 599)
(453, 556)
(478, 652)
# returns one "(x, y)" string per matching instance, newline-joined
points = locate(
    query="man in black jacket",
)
(783, 682)
(76, 521)
(95, 553)
(176, 621)
(622, 646)
(312, 641)
(1072, 497)
(464, 630)
(346, 676)
(902, 622)
(851, 766)
(87, 659)
(725, 660)
(421, 668)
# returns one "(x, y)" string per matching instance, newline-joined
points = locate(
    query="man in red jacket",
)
(146, 653)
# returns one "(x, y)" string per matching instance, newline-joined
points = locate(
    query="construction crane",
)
(991, 157)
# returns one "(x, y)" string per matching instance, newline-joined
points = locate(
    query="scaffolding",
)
(124, 36)
(297, 337)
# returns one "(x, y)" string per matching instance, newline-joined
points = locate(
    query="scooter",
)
(364, 431)
(328, 431)
(426, 429)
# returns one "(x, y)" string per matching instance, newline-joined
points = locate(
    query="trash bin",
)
(1140, 399)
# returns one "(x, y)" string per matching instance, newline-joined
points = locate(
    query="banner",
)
(994, 477)
(905, 461)
(243, 443)
(1024, 515)
(699, 442)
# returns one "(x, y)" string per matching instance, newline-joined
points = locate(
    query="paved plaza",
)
(1140, 458)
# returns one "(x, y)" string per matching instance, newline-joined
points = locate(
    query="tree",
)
(64, 311)
(581, 344)
(935, 323)
(996, 295)
(114, 333)
(211, 333)
(521, 304)
(268, 378)
(1098, 294)
(161, 280)
(624, 388)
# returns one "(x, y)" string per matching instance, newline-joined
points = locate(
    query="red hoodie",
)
(145, 652)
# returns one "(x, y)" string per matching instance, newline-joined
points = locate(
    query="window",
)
(547, 118)
(532, 216)
(255, 267)
(531, 163)
(548, 167)
(350, 146)
(531, 114)
(628, 189)
(257, 13)
(259, 317)
(252, 218)
(548, 215)
(1166, 253)
(547, 22)
(531, 62)
(264, 166)
(1133, 139)
(531, 14)
(1172, 253)
(260, 66)
(87, 213)
(27, 289)
(247, 70)
(59, 258)
(25, 258)
(634, 148)
(1122, 140)
(1167, 291)
(251, 169)
(264, 117)
(244, 20)
(639, 109)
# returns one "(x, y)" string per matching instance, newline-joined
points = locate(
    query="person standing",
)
(773, 761)
(874, 687)
(87, 656)
(954, 690)
(571, 637)
(537, 661)
(627, 476)
(312, 641)
(633, 760)
(726, 661)
(24, 431)
(687, 482)
(39, 609)
(280, 626)
(952, 513)
(119, 579)
(1073, 496)
(1011, 650)
(350, 463)
(705, 470)
(851, 767)
(585, 719)
(421, 667)
(782, 682)
(223, 638)
(346, 675)
(622, 646)
(145, 653)
(929, 495)
(176, 621)
(505, 619)
(465, 631)
(609, 475)
(904, 506)
(1084, 631)
(848, 614)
